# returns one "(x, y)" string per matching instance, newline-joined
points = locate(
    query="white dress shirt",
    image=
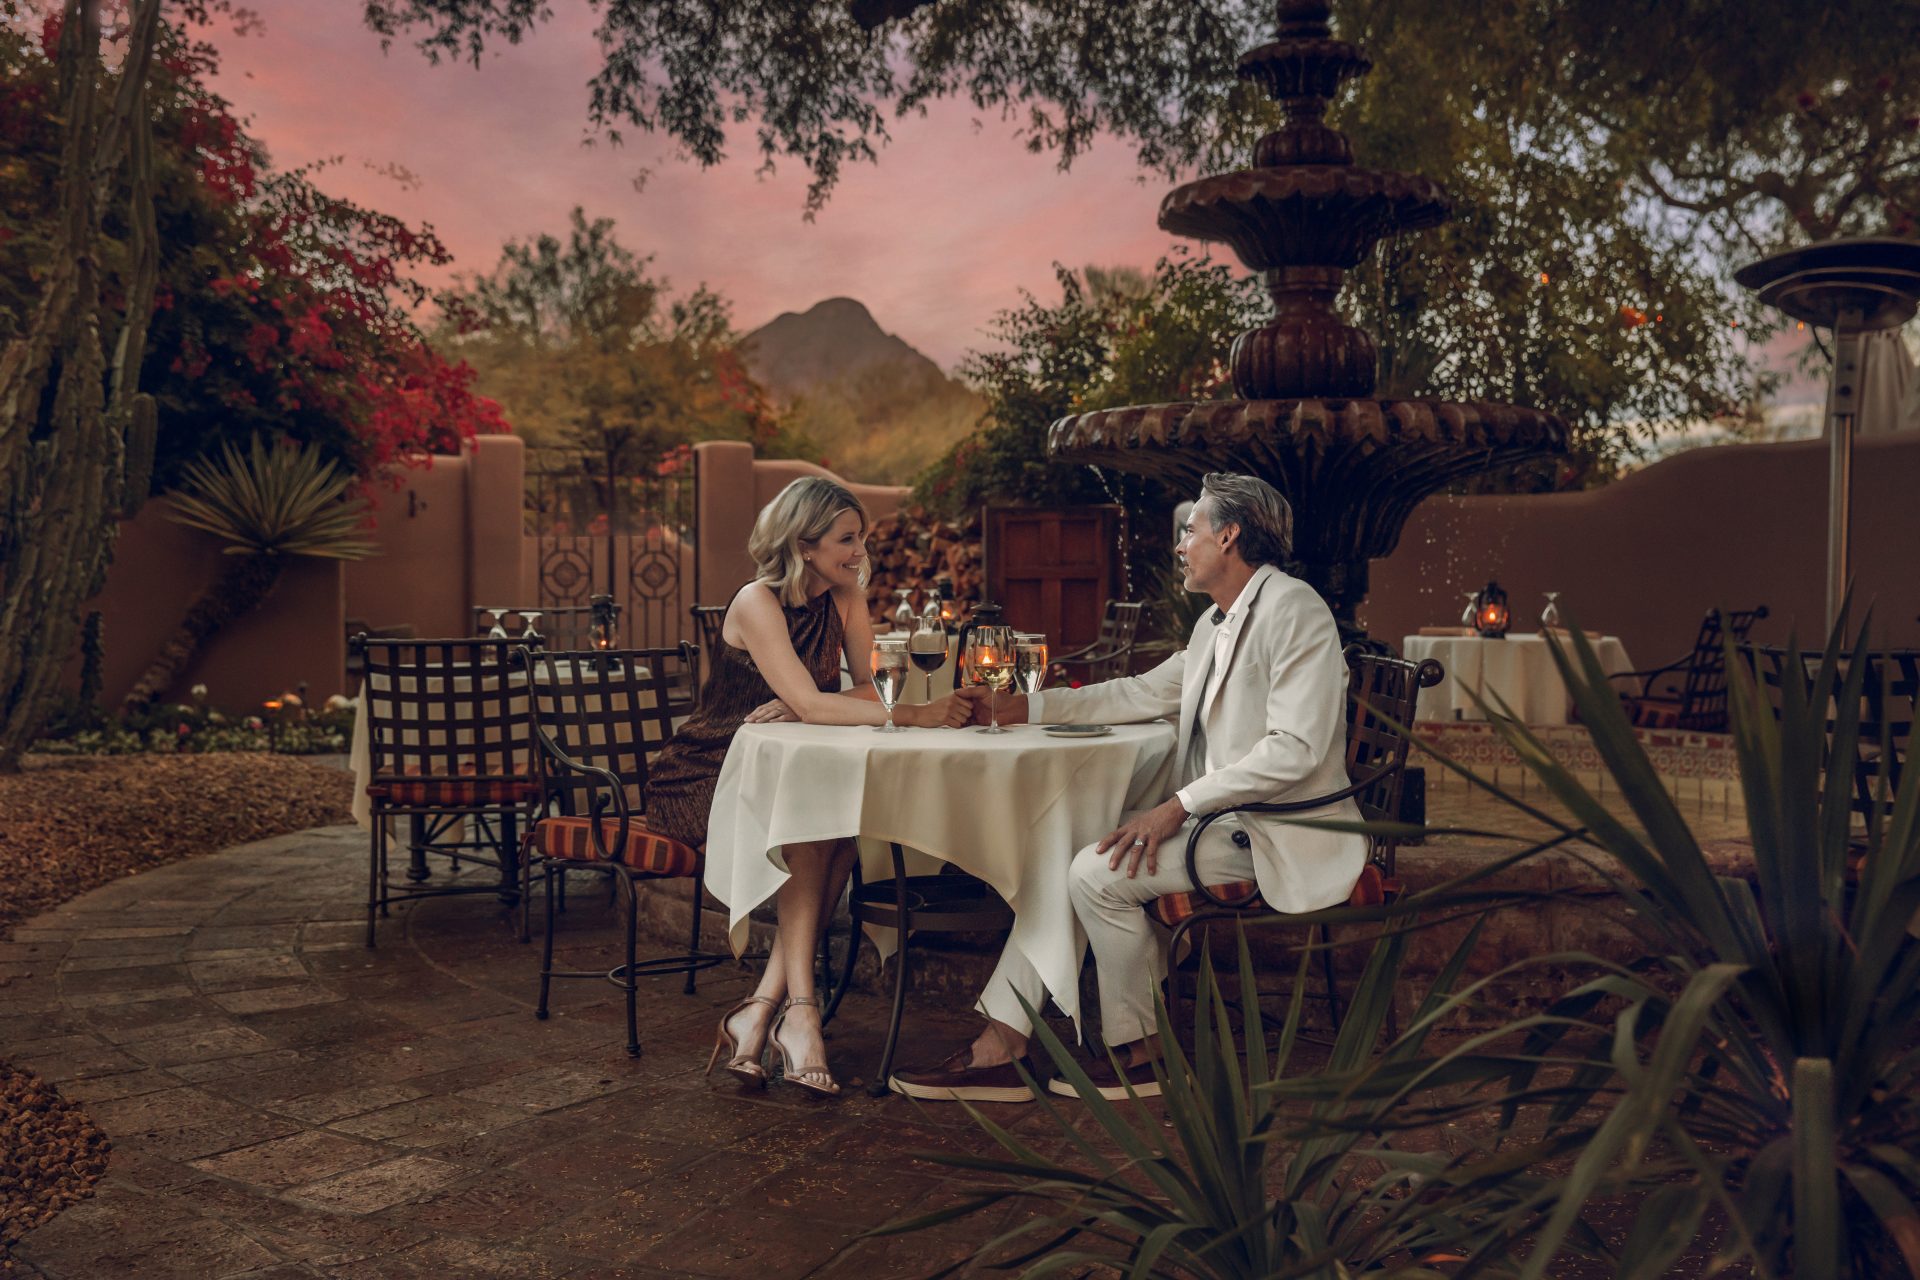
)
(1223, 636)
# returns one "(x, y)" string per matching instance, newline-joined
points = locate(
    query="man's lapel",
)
(1261, 576)
(1193, 679)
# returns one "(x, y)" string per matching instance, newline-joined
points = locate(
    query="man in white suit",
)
(1259, 697)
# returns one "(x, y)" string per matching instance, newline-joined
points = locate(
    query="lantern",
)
(606, 620)
(1490, 616)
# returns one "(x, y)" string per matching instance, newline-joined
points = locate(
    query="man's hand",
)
(769, 712)
(1013, 706)
(1137, 840)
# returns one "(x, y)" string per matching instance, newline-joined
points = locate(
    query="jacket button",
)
(1240, 838)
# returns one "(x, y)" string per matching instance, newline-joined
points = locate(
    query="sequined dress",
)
(682, 778)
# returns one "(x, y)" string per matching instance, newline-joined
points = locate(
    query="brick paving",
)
(284, 1102)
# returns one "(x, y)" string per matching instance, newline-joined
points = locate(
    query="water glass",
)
(889, 677)
(1030, 665)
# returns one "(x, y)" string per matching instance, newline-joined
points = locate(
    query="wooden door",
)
(1054, 571)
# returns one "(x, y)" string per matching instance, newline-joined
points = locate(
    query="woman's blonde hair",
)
(792, 524)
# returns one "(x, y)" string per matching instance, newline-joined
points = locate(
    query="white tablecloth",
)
(1011, 809)
(1518, 670)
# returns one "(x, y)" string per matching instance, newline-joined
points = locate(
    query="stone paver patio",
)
(284, 1102)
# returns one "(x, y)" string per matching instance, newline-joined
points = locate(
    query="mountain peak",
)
(833, 339)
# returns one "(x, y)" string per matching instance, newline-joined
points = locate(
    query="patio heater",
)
(1854, 287)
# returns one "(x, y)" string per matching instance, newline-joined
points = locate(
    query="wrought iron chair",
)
(1889, 704)
(560, 627)
(1382, 694)
(599, 715)
(1111, 651)
(707, 620)
(449, 741)
(1699, 701)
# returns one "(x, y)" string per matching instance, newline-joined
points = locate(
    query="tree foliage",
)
(590, 351)
(1629, 152)
(279, 311)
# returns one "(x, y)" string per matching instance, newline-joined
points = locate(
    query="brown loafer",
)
(955, 1081)
(1108, 1082)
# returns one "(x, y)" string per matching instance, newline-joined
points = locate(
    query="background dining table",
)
(1517, 669)
(1009, 808)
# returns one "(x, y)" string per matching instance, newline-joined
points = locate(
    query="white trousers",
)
(1128, 945)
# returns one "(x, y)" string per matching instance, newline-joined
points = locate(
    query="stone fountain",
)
(1353, 467)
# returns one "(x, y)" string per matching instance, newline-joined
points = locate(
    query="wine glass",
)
(903, 616)
(1470, 616)
(1550, 616)
(498, 632)
(927, 649)
(530, 633)
(989, 662)
(1030, 665)
(889, 677)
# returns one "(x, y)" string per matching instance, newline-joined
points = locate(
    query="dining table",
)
(1010, 809)
(1516, 670)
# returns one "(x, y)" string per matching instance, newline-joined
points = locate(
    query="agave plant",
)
(1266, 1173)
(268, 504)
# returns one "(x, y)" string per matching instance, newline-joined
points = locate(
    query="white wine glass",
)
(990, 662)
(1550, 616)
(1030, 665)
(927, 649)
(498, 632)
(889, 677)
(531, 632)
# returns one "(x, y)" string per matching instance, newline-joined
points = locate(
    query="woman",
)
(783, 640)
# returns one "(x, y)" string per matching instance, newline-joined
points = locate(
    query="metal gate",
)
(601, 523)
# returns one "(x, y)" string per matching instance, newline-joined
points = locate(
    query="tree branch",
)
(869, 14)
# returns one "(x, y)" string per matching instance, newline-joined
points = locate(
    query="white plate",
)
(1077, 730)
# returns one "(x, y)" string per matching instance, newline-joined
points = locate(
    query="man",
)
(1259, 697)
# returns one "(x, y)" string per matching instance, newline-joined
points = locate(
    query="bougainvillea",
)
(281, 310)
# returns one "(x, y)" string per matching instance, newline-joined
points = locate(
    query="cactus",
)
(64, 455)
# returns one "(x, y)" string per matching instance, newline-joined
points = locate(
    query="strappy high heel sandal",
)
(746, 1068)
(814, 1077)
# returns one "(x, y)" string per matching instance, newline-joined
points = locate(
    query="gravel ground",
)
(71, 823)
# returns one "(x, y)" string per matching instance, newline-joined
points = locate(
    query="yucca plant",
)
(1782, 1083)
(269, 504)
(1255, 1173)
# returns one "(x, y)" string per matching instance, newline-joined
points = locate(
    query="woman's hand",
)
(771, 712)
(948, 712)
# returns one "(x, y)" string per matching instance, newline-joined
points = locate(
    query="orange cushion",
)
(474, 791)
(648, 853)
(1371, 890)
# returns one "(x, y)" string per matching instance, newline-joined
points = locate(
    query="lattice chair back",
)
(1889, 703)
(443, 711)
(707, 621)
(608, 709)
(1703, 689)
(1382, 696)
(566, 626)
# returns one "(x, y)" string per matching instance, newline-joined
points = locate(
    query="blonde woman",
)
(784, 638)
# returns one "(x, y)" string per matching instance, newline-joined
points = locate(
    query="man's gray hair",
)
(1262, 514)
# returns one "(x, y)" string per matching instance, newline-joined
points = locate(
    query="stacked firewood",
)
(911, 549)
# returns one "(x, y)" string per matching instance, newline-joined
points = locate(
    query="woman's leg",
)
(790, 968)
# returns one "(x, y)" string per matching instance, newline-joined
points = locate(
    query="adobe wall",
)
(159, 570)
(1644, 557)
(450, 538)
(734, 486)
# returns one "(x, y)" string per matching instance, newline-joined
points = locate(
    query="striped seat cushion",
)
(474, 791)
(1653, 713)
(1371, 890)
(648, 853)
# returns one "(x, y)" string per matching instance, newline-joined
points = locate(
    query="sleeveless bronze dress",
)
(682, 778)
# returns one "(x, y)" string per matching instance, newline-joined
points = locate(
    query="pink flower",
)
(183, 730)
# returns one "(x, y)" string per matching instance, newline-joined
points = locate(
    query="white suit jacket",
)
(1279, 716)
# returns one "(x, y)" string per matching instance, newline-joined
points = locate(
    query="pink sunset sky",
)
(955, 219)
